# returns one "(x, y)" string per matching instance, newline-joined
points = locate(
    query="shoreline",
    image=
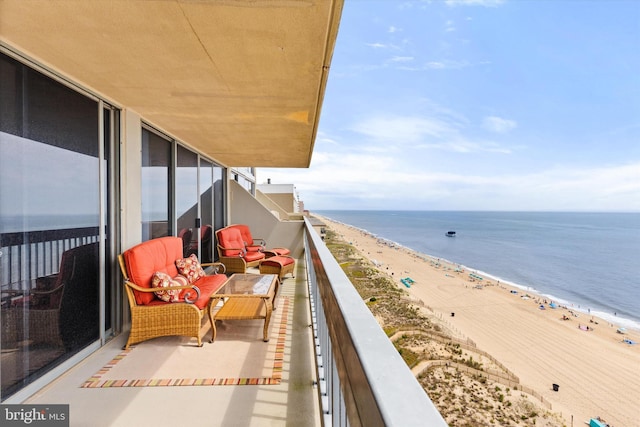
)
(596, 372)
(611, 318)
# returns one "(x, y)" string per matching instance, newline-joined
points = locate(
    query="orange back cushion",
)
(245, 232)
(230, 237)
(145, 259)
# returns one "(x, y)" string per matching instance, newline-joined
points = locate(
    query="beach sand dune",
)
(596, 373)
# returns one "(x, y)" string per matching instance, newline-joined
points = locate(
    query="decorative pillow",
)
(163, 280)
(190, 268)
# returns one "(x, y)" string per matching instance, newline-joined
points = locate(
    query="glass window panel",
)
(156, 162)
(11, 76)
(206, 211)
(218, 200)
(186, 196)
(49, 222)
(110, 131)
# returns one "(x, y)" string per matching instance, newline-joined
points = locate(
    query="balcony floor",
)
(293, 402)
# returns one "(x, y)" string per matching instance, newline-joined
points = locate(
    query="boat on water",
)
(451, 234)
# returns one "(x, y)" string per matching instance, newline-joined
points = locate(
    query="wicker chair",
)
(254, 244)
(62, 309)
(150, 316)
(232, 252)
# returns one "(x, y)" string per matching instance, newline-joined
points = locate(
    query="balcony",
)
(342, 370)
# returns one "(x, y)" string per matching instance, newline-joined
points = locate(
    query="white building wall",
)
(131, 161)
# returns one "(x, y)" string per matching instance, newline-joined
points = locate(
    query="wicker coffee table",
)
(245, 296)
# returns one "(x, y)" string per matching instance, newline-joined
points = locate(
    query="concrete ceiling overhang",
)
(241, 81)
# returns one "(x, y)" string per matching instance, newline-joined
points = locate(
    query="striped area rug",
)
(239, 356)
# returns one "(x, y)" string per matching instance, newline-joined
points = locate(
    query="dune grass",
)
(454, 375)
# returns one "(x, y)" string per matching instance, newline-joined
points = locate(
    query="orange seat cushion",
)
(208, 285)
(277, 261)
(144, 259)
(149, 257)
(281, 251)
(232, 239)
(253, 256)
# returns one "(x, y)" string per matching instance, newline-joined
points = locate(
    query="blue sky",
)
(479, 105)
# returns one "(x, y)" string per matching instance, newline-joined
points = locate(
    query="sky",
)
(507, 105)
(62, 175)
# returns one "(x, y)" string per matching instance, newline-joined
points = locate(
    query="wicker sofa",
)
(151, 316)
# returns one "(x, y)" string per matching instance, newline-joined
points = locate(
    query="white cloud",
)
(358, 176)
(337, 181)
(378, 45)
(440, 130)
(485, 3)
(443, 65)
(446, 64)
(610, 188)
(402, 59)
(323, 138)
(461, 145)
(498, 124)
(449, 26)
(402, 129)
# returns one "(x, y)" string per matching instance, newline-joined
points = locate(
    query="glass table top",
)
(247, 284)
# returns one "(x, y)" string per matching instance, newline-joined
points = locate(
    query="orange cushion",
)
(253, 256)
(276, 261)
(145, 259)
(230, 238)
(207, 285)
(280, 251)
(245, 232)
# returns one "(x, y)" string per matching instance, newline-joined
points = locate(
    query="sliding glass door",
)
(55, 154)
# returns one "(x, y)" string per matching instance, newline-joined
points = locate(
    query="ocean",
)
(589, 261)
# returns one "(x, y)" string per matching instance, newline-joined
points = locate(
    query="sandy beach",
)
(597, 373)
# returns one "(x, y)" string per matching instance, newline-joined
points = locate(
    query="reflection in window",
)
(219, 220)
(49, 222)
(186, 195)
(206, 211)
(219, 177)
(156, 161)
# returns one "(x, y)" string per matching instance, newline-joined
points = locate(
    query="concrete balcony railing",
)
(363, 379)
